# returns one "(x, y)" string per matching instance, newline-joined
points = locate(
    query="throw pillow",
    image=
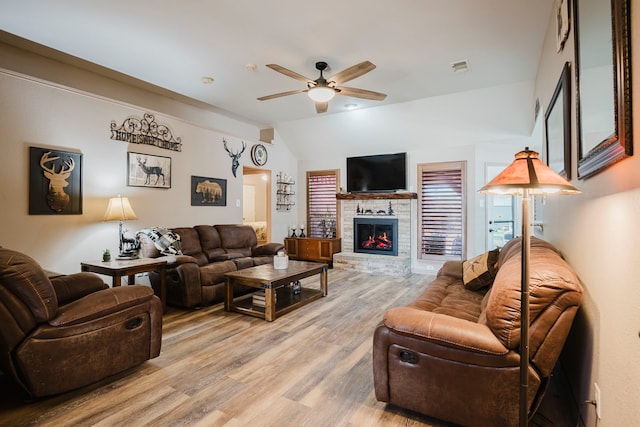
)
(166, 241)
(480, 271)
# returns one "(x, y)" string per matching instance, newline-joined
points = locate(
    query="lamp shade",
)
(528, 172)
(119, 209)
(321, 93)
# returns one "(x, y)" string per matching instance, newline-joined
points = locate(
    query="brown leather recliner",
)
(453, 352)
(69, 331)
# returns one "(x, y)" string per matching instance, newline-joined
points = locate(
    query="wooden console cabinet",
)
(312, 249)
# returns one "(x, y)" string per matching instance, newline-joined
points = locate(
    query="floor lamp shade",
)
(528, 172)
(527, 176)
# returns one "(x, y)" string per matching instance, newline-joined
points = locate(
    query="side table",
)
(130, 267)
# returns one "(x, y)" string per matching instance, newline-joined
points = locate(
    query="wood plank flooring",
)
(311, 367)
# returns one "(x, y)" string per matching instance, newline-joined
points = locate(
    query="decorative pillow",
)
(480, 271)
(166, 241)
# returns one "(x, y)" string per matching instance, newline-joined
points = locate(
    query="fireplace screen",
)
(376, 236)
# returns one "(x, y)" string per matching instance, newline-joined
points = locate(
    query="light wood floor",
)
(311, 367)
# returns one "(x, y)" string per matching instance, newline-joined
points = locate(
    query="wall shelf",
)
(285, 194)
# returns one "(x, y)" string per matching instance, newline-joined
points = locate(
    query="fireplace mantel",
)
(375, 196)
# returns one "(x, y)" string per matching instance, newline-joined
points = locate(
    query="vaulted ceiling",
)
(174, 44)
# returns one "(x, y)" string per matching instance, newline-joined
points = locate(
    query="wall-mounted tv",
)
(378, 173)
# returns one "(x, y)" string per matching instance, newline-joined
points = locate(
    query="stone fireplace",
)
(377, 209)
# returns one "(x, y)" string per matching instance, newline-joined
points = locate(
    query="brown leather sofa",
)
(196, 277)
(453, 352)
(69, 331)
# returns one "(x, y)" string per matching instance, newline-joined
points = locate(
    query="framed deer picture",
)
(55, 182)
(146, 170)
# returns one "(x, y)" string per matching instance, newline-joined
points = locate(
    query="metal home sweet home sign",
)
(145, 131)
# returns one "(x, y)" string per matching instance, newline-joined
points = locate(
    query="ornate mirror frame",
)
(600, 148)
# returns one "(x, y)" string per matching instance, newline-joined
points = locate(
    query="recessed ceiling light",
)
(251, 67)
(351, 106)
(207, 80)
(460, 66)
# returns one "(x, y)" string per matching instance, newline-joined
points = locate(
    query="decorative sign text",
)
(145, 131)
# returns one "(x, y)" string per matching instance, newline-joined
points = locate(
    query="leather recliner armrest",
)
(266, 249)
(176, 260)
(452, 268)
(74, 286)
(100, 304)
(445, 330)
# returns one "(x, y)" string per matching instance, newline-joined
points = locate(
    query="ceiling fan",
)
(322, 90)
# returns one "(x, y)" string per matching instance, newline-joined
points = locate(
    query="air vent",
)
(460, 66)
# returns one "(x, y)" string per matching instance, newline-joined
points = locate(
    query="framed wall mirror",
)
(603, 83)
(557, 125)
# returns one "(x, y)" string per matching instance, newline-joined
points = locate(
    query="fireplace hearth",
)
(375, 236)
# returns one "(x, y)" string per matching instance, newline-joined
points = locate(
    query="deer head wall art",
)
(235, 157)
(54, 182)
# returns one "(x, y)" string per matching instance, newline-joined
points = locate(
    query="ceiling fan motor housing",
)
(321, 66)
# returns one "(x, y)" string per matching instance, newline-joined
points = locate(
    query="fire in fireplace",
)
(375, 236)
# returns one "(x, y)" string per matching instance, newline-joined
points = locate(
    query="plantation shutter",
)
(322, 215)
(442, 210)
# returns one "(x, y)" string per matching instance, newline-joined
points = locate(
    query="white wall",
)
(38, 113)
(599, 234)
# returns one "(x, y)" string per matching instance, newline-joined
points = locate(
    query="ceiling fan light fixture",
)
(321, 93)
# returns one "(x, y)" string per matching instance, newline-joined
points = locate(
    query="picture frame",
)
(208, 191)
(55, 182)
(604, 120)
(558, 126)
(562, 22)
(148, 170)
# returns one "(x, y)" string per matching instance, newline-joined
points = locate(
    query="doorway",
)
(256, 201)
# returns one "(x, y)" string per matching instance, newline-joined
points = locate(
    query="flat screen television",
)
(378, 173)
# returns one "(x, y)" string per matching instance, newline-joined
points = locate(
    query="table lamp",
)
(119, 209)
(526, 176)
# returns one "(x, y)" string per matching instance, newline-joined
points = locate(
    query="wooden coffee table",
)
(272, 281)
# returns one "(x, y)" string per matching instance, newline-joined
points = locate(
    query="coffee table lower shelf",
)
(286, 301)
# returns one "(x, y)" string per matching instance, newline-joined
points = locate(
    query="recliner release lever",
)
(133, 323)
(408, 356)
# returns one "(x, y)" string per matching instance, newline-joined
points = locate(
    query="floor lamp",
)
(527, 176)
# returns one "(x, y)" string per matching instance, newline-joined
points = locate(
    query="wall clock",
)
(259, 155)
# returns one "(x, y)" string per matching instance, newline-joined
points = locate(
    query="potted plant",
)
(106, 255)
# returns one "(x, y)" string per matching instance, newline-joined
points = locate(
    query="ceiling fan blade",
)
(321, 107)
(361, 93)
(287, 72)
(352, 72)
(278, 95)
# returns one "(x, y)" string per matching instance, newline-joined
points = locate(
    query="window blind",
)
(442, 210)
(322, 216)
